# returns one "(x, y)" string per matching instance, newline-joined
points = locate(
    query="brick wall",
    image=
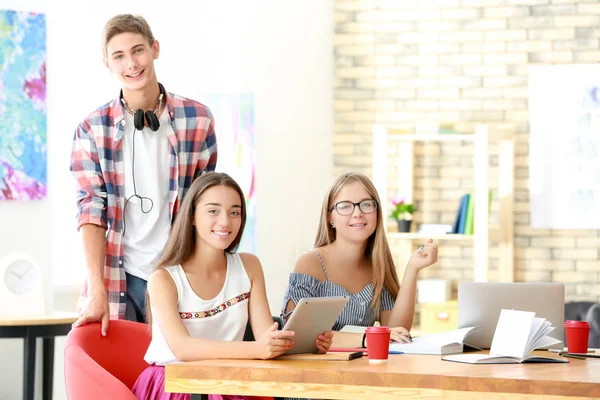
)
(463, 62)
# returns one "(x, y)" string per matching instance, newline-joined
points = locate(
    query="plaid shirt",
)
(97, 164)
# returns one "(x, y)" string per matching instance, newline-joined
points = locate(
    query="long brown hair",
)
(377, 249)
(182, 238)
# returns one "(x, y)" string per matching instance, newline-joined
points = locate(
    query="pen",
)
(573, 356)
(407, 334)
(395, 352)
(421, 248)
(560, 351)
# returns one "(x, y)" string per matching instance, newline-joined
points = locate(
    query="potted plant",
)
(402, 213)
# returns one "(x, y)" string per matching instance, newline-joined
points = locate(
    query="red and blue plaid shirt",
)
(97, 164)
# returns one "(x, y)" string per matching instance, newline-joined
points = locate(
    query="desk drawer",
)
(439, 317)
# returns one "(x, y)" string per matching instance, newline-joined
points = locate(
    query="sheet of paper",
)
(512, 333)
(427, 343)
(545, 342)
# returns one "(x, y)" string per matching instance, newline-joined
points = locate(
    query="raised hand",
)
(324, 341)
(425, 256)
(274, 343)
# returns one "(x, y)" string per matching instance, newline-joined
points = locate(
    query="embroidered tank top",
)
(222, 318)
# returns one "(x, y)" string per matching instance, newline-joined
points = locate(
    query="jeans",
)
(136, 299)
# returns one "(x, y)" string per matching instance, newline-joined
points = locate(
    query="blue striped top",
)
(358, 311)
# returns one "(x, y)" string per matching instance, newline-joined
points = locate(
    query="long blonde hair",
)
(182, 238)
(377, 249)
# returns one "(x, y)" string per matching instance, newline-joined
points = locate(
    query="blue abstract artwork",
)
(23, 174)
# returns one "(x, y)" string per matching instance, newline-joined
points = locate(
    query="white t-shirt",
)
(146, 231)
(223, 317)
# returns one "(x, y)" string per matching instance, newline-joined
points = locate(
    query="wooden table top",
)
(578, 378)
(57, 318)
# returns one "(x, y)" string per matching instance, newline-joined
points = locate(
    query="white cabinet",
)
(483, 234)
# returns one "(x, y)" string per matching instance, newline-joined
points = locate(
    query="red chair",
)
(105, 367)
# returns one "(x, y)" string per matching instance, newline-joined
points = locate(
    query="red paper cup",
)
(378, 343)
(578, 333)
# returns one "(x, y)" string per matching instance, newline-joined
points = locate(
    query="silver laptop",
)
(479, 304)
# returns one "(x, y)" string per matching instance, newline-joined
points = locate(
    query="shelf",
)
(438, 137)
(404, 146)
(424, 236)
(494, 234)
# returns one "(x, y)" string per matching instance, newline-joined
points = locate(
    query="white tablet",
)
(312, 317)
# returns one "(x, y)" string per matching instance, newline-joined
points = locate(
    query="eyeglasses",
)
(347, 207)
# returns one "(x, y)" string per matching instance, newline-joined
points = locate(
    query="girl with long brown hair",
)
(202, 293)
(352, 258)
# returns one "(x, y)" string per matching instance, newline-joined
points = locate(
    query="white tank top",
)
(221, 318)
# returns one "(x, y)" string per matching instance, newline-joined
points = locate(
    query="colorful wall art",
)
(23, 173)
(234, 125)
(564, 167)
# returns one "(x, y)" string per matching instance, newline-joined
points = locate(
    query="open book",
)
(517, 334)
(450, 342)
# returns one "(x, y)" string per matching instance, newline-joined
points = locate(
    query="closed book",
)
(336, 356)
(463, 213)
(469, 218)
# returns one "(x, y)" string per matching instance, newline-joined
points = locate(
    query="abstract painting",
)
(234, 126)
(23, 174)
(564, 119)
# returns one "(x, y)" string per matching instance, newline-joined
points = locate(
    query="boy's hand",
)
(96, 310)
(324, 341)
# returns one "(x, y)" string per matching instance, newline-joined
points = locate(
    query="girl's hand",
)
(274, 343)
(324, 341)
(425, 256)
(400, 334)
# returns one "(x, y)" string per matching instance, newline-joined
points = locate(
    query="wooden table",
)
(404, 376)
(31, 328)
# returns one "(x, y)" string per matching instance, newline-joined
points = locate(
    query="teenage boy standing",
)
(133, 159)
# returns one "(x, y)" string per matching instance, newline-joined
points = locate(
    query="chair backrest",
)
(586, 311)
(249, 335)
(105, 366)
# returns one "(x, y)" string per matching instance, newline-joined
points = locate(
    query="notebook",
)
(343, 356)
(450, 342)
(517, 334)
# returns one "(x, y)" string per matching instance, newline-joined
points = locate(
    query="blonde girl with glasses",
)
(352, 258)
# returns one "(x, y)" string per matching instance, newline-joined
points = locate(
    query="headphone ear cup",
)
(138, 120)
(152, 120)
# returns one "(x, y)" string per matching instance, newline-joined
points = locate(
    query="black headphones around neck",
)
(150, 115)
(138, 123)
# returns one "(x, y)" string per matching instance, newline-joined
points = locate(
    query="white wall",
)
(280, 51)
(25, 228)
